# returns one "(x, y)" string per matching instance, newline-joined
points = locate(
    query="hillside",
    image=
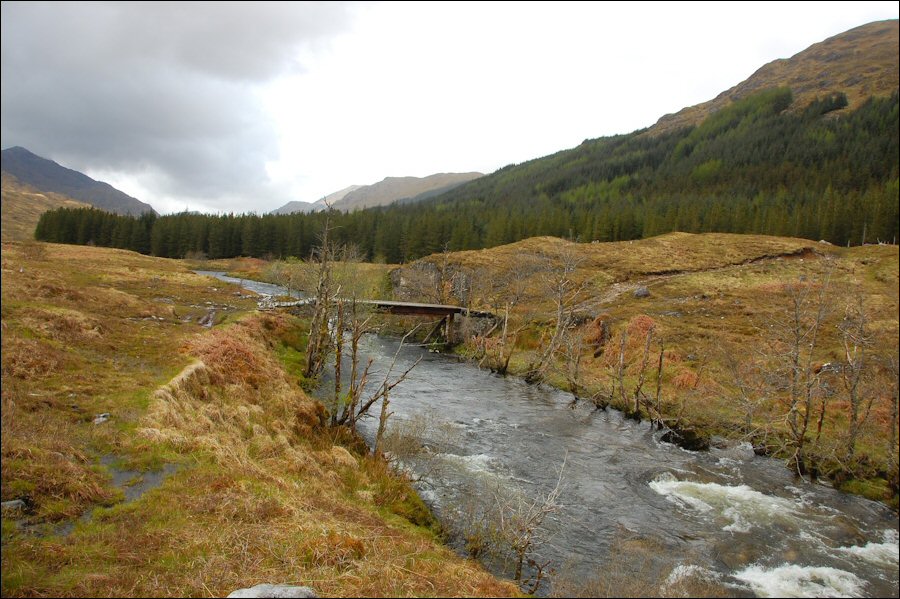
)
(859, 63)
(392, 189)
(383, 193)
(48, 176)
(329, 200)
(722, 310)
(764, 164)
(211, 470)
(22, 206)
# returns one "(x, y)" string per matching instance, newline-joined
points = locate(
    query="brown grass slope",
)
(22, 206)
(262, 491)
(711, 298)
(664, 254)
(861, 62)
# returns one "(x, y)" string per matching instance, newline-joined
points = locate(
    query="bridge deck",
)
(391, 307)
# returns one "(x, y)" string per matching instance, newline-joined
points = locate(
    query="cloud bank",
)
(167, 92)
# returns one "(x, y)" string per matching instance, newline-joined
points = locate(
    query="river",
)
(725, 515)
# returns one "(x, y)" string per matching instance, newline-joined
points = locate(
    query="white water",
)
(724, 516)
(801, 581)
(730, 515)
(741, 507)
(886, 553)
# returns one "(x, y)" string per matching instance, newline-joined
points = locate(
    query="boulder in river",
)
(686, 438)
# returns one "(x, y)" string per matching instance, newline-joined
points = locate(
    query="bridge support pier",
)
(436, 330)
(448, 330)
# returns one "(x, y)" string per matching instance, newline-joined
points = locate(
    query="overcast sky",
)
(245, 106)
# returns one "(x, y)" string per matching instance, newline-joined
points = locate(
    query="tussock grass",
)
(264, 492)
(627, 260)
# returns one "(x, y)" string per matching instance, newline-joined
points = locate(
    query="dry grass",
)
(706, 293)
(627, 260)
(22, 206)
(263, 494)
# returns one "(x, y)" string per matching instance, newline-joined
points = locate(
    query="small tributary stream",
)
(727, 515)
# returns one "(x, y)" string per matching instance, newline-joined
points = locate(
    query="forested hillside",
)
(753, 167)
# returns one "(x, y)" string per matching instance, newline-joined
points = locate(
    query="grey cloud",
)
(162, 87)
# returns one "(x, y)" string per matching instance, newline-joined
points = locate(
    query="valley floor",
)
(154, 456)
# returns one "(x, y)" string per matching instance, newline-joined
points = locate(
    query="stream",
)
(725, 515)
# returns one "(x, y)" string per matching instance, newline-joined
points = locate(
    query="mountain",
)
(329, 200)
(392, 189)
(387, 191)
(22, 206)
(770, 162)
(48, 176)
(859, 63)
(759, 158)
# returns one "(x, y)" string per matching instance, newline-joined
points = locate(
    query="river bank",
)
(633, 505)
(233, 479)
(717, 323)
(785, 343)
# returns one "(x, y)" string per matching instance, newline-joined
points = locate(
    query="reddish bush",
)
(686, 379)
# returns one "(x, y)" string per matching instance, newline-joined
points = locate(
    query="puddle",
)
(134, 483)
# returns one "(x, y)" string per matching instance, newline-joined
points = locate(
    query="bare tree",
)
(435, 279)
(292, 274)
(572, 349)
(567, 295)
(659, 381)
(744, 387)
(795, 376)
(319, 342)
(505, 524)
(383, 393)
(503, 292)
(359, 326)
(338, 359)
(620, 371)
(856, 340)
(642, 375)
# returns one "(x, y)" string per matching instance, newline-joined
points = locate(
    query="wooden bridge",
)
(445, 312)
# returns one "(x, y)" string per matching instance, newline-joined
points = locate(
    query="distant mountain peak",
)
(388, 190)
(329, 200)
(393, 189)
(46, 175)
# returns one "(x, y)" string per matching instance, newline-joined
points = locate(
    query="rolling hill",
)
(22, 206)
(48, 176)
